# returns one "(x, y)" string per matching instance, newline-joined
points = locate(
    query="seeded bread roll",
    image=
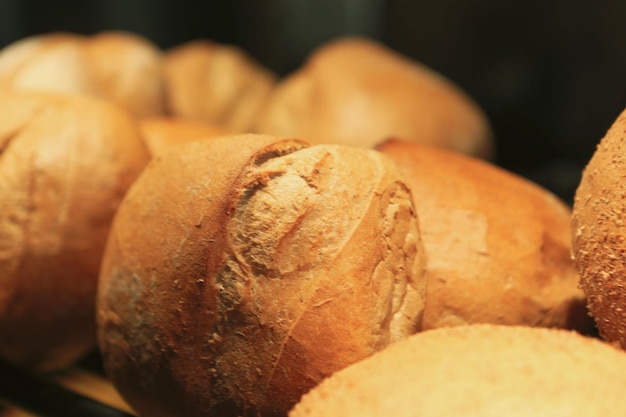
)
(119, 66)
(164, 133)
(498, 246)
(479, 371)
(242, 270)
(65, 164)
(599, 233)
(217, 83)
(358, 92)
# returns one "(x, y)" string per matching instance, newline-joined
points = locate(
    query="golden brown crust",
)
(217, 83)
(65, 165)
(274, 266)
(118, 66)
(357, 92)
(164, 133)
(599, 233)
(498, 246)
(479, 371)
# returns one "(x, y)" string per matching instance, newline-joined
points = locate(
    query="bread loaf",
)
(478, 371)
(217, 83)
(497, 245)
(241, 271)
(358, 92)
(65, 164)
(599, 233)
(119, 66)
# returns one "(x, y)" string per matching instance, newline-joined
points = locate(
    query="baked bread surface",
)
(478, 370)
(242, 270)
(65, 164)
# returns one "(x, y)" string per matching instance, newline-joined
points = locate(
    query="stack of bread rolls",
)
(81, 117)
(229, 274)
(352, 91)
(200, 80)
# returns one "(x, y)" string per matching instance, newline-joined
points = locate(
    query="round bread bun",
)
(162, 133)
(358, 92)
(479, 370)
(65, 164)
(120, 66)
(241, 271)
(599, 233)
(497, 245)
(217, 83)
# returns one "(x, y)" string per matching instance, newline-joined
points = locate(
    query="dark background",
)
(551, 74)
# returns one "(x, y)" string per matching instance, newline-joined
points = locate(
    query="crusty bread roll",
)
(358, 92)
(497, 245)
(478, 370)
(599, 233)
(242, 270)
(217, 83)
(65, 164)
(119, 66)
(164, 133)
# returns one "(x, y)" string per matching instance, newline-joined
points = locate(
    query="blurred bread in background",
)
(217, 83)
(120, 66)
(358, 92)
